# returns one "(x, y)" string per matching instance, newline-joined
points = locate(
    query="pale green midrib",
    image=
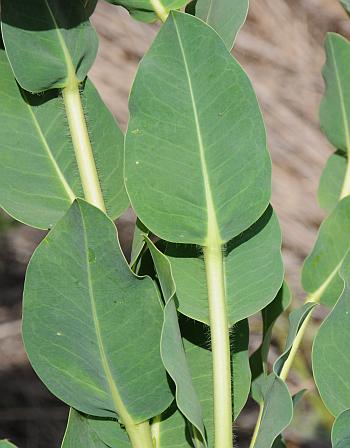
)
(317, 295)
(120, 408)
(71, 75)
(46, 146)
(209, 11)
(213, 233)
(345, 191)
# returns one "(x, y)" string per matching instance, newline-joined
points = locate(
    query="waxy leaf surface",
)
(91, 327)
(330, 355)
(253, 272)
(341, 430)
(38, 172)
(320, 275)
(84, 431)
(332, 180)
(196, 134)
(48, 41)
(225, 16)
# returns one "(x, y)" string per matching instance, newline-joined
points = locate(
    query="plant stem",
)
(140, 435)
(257, 426)
(82, 145)
(159, 10)
(346, 185)
(220, 343)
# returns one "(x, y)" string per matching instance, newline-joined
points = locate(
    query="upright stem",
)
(220, 343)
(257, 426)
(82, 145)
(140, 435)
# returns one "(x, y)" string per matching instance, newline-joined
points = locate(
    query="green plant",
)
(155, 353)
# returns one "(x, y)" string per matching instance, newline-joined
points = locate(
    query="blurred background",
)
(281, 49)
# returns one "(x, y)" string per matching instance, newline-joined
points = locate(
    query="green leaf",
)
(277, 411)
(346, 5)
(253, 271)
(320, 271)
(60, 32)
(93, 432)
(258, 360)
(6, 444)
(172, 350)
(334, 110)
(341, 430)
(138, 242)
(332, 180)
(331, 363)
(91, 327)
(173, 430)
(38, 173)
(146, 10)
(296, 320)
(199, 357)
(225, 16)
(196, 134)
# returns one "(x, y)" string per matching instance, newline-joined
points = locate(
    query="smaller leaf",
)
(341, 430)
(331, 182)
(93, 432)
(277, 411)
(225, 16)
(321, 268)
(296, 319)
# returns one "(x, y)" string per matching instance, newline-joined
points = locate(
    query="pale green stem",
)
(140, 435)
(220, 343)
(257, 426)
(346, 185)
(159, 9)
(82, 146)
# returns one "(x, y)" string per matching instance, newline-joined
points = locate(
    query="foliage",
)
(154, 353)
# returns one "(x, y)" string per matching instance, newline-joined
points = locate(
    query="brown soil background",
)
(281, 49)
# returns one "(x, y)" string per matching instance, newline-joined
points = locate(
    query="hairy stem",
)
(220, 342)
(257, 426)
(82, 146)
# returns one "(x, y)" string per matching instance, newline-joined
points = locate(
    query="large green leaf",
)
(91, 328)
(253, 272)
(172, 349)
(84, 431)
(225, 16)
(277, 411)
(332, 180)
(38, 173)
(171, 430)
(335, 110)
(146, 10)
(330, 355)
(320, 271)
(341, 430)
(48, 41)
(196, 134)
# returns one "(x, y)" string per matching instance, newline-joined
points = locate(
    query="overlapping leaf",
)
(91, 328)
(320, 272)
(146, 10)
(341, 430)
(59, 30)
(225, 16)
(332, 180)
(93, 432)
(253, 272)
(196, 134)
(331, 363)
(38, 173)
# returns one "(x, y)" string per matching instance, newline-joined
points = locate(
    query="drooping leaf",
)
(93, 432)
(341, 430)
(332, 180)
(330, 360)
(225, 16)
(38, 173)
(196, 133)
(48, 42)
(277, 411)
(6, 444)
(146, 10)
(258, 360)
(253, 271)
(296, 320)
(91, 328)
(334, 110)
(320, 271)
(172, 349)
